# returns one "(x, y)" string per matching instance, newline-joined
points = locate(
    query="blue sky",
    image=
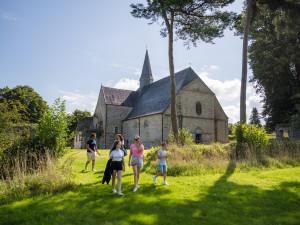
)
(68, 48)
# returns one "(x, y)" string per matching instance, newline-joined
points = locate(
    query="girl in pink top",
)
(136, 159)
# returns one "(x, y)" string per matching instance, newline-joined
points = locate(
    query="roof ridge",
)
(118, 89)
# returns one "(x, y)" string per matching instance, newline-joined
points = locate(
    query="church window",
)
(198, 108)
(146, 124)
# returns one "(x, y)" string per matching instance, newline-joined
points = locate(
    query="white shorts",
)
(91, 156)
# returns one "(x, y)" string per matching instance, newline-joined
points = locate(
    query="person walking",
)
(91, 148)
(162, 155)
(136, 160)
(117, 156)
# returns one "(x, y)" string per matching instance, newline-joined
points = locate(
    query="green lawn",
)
(270, 197)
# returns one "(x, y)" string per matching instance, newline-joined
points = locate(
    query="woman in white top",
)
(117, 156)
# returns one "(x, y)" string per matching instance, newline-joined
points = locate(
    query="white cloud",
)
(76, 100)
(127, 84)
(228, 93)
(225, 90)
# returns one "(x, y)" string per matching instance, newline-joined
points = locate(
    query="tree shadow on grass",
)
(226, 202)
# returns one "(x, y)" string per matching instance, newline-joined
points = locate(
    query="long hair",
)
(120, 136)
(115, 145)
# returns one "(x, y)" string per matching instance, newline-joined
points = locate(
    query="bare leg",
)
(120, 181)
(86, 164)
(93, 165)
(165, 177)
(114, 180)
(134, 168)
(138, 175)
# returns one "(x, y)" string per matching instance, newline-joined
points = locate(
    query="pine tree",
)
(254, 117)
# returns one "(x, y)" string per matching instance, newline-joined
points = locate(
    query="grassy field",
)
(269, 197)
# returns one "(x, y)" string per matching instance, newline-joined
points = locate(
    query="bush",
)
(52, 128)
(184, 137)
(251, 140)
(30, 149)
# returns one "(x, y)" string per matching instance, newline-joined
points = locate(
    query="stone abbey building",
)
(146, 112)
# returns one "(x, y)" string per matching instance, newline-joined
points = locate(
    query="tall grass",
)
(51, 176)
(214, 158)
(192, 159)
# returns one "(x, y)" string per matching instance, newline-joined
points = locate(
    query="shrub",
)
(52, 128)
(184, 137)
(251, 139)
(29, 150)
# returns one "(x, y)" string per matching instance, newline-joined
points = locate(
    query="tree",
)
(275, 59)
(191, 21)
(250, 4)
(73, 121)
(254, 117)
(28, 106)
(52, 128)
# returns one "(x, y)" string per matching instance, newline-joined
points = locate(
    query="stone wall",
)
(100, 114)
(148, 127)
(130, 129)
(115, 115)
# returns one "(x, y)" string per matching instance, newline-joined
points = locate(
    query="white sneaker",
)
(86, 170)
(94, 170)
(165, 183)
(135, 189)
(120, 193)
(114, 191)
(154, 179)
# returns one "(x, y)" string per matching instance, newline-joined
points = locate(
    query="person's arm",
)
(88, 147)
(98, 153)
(129, 158)
(110, 155)
(142, 148)
(158, 155)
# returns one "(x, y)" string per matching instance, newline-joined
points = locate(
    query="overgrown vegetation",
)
(184, 137)
(32, 147)
(251, 148)
(49, 177)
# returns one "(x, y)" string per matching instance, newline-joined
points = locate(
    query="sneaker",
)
(154, 179)
(120, 193)
(135, 189)
(94, 170)
(86, 170)
(165, 183)
(114, 191)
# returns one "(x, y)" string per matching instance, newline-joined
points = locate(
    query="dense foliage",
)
(251, 140)
(21, 105)
(254, 117)
(274, 57)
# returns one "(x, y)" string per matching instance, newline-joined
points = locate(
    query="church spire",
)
(146, 76)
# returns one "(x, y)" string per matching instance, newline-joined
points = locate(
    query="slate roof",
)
(156, 97)
(146, 72)
(114, 96)
(153, 98)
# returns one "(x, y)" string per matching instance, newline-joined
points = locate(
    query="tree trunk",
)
(169, 24)
(173, 84)
(249, 14)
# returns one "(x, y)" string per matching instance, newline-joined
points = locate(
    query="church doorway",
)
(198, 136)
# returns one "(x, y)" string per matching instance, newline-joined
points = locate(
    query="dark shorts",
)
(117, 165)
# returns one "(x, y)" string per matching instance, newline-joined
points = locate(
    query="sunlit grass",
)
(231, 197)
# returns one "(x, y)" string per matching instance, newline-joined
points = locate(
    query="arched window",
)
(198, 108)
